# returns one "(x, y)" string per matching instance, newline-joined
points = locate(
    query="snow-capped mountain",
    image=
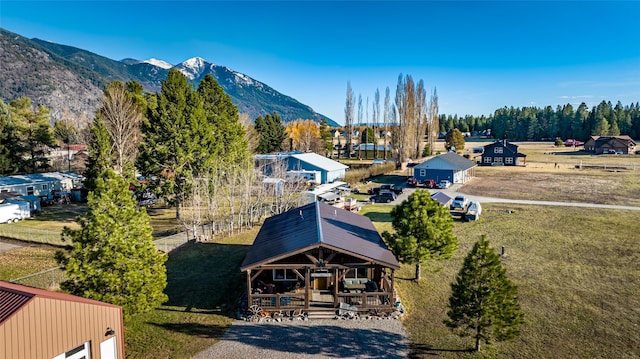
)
(155, 62)
(69, 81)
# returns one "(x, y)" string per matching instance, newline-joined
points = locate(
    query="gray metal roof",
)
(36, 178)
(447, 161)
(323, 162)
(318, 225)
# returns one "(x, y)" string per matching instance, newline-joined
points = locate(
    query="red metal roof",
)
(14, 296)
(11, 301)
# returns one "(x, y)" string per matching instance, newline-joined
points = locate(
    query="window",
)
(497, 150)
(423, 173)
(44, 186)
(284, 274)
(487, 159)
(81, 352)
(357, 273)
(508, 160)
(30, 191)
(497, 159)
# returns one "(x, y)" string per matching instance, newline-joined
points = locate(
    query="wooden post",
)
(307, 287)
(393, 298)
(335, 287)
(249, 299)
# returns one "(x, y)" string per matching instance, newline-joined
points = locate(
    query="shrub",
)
(358, 175)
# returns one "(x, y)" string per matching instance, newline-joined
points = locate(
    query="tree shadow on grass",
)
(423, 350)
(195, 329)
(206, 276)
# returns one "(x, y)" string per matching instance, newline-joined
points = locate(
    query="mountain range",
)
(69, 80)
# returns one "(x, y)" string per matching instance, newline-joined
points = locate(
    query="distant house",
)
(610, 144)
(450, 166)
(36, 323)
(317, 258)
(42, 185)
(503, 153)
(329, 170)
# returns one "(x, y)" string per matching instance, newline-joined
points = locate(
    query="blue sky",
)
(480, 55)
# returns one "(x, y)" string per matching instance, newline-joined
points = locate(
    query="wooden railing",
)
(366, 299)
(278, 301)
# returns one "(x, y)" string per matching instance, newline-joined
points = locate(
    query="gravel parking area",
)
(324, 338)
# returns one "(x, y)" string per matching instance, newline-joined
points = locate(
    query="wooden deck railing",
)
(278, 301)
(366, 299)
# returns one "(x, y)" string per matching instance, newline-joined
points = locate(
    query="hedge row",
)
(360, 174)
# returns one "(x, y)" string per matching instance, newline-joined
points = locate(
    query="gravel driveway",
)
(316, 338)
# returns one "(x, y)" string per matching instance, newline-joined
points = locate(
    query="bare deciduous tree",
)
(348, 118)
(386, 119)
(433, 125)
(121, 116)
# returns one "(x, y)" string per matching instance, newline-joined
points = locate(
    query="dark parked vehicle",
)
(383, 197)
(391, 188)
(385, 187)
(429, 183)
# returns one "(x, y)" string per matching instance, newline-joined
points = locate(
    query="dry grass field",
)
(554, 177)
(578, 273)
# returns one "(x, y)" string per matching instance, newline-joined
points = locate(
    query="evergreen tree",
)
(114, 258)
(11, 160)
(454, 139)
(325, 135)
(272, 133)
(423, 230)
(229, 143)
(484, 302)
(100, 158)
(176, 137)
(35, 134)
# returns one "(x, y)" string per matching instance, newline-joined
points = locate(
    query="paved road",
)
(7, 245)
(452, 192)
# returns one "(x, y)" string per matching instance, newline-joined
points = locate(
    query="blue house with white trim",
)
(450, 166)
(330, 170)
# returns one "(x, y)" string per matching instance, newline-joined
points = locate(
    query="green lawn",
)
(204, 286)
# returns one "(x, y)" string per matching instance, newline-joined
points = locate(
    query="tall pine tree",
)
(423, 230)
(114, 258)
(484, 302)
(272, 133)
(229, 144)
(176, 137)
(100, 158)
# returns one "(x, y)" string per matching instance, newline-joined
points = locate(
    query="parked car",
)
(412, 182)
(459, 202)
(383, 197)
(429, 183)
(391, 188)
(385, 187)
(444, 184)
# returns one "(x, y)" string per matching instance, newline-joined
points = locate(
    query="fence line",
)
(31, 234)
(47, 279)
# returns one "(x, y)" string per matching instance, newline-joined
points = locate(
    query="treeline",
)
(537, 124)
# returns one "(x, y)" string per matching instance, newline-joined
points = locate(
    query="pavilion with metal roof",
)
(318, 255)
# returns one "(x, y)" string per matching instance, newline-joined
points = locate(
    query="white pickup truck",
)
(459, 203)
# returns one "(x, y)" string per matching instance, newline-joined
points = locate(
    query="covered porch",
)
(329, 270)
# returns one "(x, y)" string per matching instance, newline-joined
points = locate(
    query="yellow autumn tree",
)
(305, 134)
